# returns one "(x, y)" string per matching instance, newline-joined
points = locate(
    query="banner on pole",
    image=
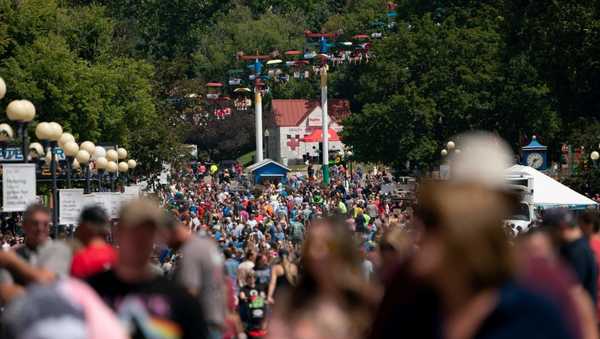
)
(18, 187)
(70, 204)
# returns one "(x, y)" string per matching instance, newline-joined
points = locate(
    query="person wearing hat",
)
(96, 255)
(149, 305)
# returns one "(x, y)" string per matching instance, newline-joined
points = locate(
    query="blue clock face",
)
(535, 160)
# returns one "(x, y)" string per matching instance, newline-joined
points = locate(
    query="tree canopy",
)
(124, 71)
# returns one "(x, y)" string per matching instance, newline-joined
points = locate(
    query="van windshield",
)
(522, 213)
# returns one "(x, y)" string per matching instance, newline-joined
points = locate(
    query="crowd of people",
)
(211, 257)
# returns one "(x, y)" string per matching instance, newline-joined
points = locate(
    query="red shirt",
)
(93, 259)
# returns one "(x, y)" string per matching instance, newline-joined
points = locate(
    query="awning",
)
(317, 136)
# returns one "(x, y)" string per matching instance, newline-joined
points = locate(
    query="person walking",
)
(96, 255)
(149, 305)
(200, 270)
(38, 259)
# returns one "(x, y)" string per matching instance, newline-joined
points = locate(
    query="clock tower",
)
(535, 155)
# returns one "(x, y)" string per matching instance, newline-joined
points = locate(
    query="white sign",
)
(133, 189)
(18, 186)
(115, 205)
(70, 204)
(104, 199)
(91, 200)
(315, 118)
(444, 172)
(131, 193)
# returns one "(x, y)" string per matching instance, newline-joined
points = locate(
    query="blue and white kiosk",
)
(269, 170)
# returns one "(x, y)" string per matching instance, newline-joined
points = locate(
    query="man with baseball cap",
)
(149, 304)
(96, 255)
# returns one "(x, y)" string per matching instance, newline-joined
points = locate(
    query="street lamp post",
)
(71, 149)
(99, 154)
(132, 164)
(83, 158)
(123, 168)
(2, 88)
(49, 133)
(22, 112)
(112, 169)
(6, 135)
(101, 164)
(595, 156)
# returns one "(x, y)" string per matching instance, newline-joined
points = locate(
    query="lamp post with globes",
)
(112, 168)
(22, 113)
(83, 156)
(595, 156)
(101, 164)
(49, 133)
(123, 169)
(132, 165)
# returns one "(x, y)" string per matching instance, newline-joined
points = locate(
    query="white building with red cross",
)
(295, 129)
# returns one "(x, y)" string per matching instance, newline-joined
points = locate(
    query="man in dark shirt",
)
(152, 306)
(574, 248)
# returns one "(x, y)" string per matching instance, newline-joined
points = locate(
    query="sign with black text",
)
(18, 187)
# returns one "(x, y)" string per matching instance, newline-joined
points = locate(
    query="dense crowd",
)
(214, 257)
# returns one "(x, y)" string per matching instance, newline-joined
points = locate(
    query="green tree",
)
(459, 78)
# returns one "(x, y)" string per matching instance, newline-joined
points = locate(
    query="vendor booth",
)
(268, 170)
(549, 193)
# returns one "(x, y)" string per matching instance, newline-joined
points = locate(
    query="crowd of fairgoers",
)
(215, 257)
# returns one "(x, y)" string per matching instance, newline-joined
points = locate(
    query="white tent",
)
(548, 193)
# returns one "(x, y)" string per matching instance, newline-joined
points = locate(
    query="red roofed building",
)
(296, 122)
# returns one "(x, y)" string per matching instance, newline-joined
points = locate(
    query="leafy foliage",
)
(123, 71)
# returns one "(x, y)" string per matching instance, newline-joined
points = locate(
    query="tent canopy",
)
(549, 193)
(317, 135)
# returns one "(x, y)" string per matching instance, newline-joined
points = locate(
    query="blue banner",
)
(15, 154)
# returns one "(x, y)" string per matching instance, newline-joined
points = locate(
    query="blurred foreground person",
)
(67, 309)
(200, 270)
(463, 269)
(331, 299)
(39, 259)
(466, 257)
(96, 255)
(150, 305)
(590, 225)
(574, 247)
(541, 269)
